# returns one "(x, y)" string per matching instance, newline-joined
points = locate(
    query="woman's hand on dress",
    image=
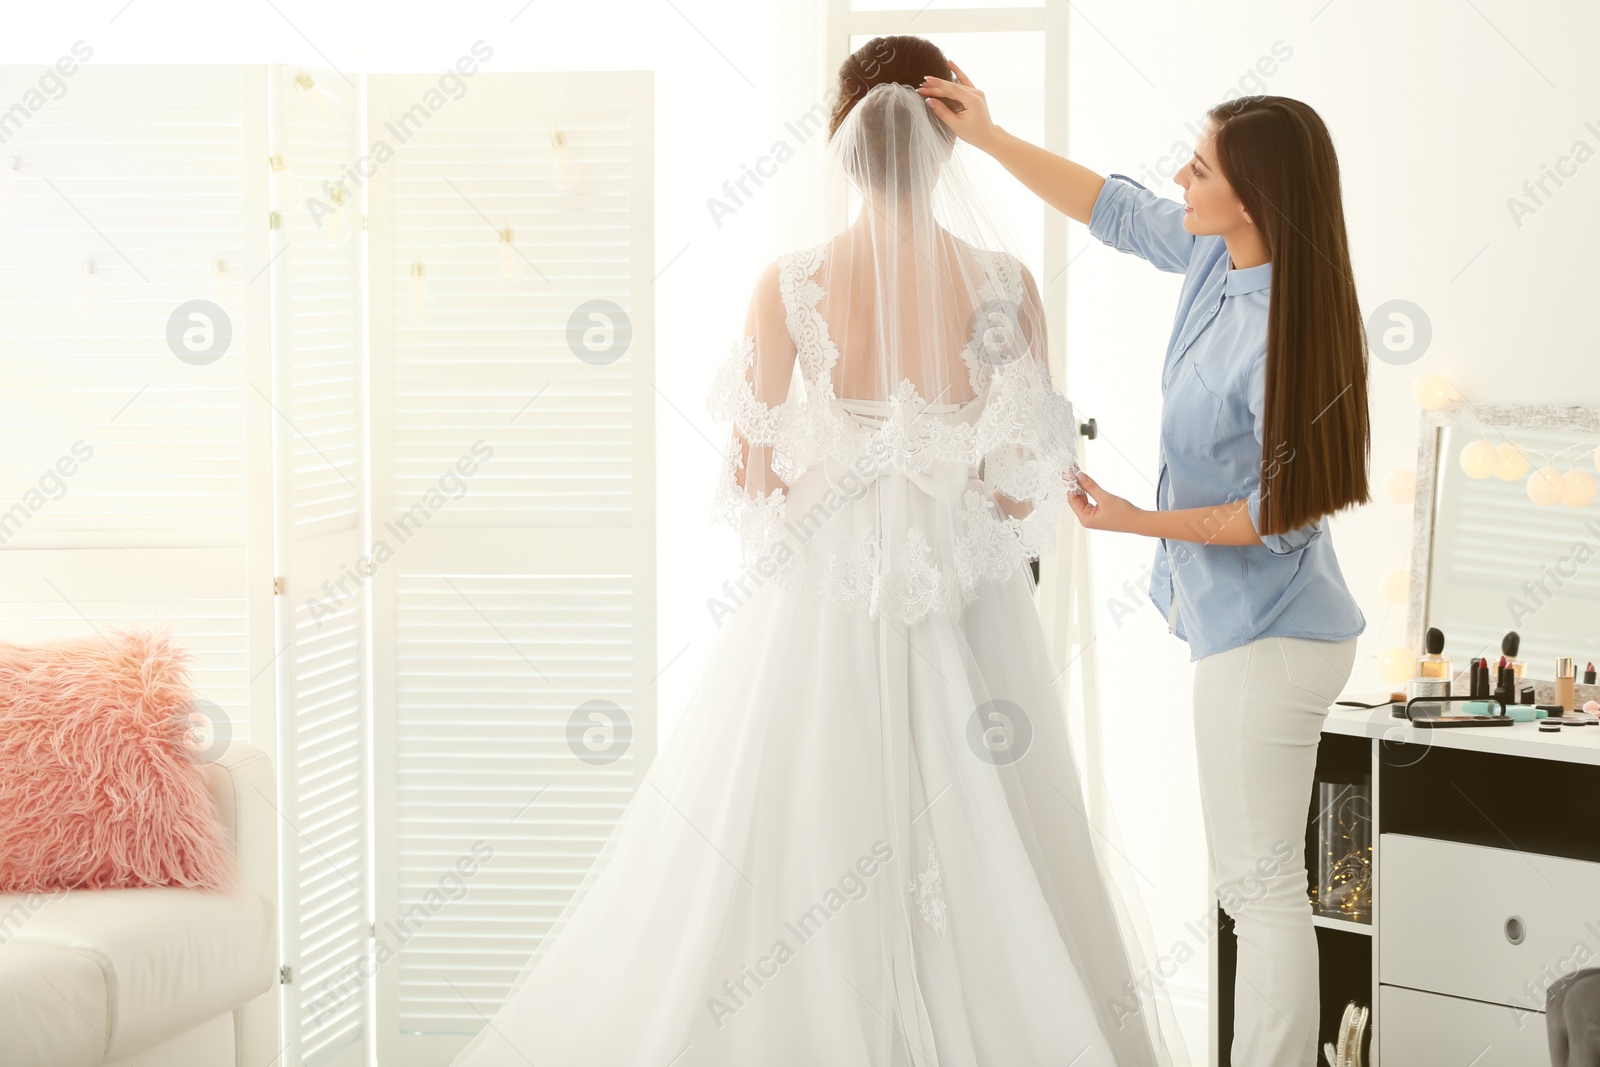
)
(1106, 511)
(972, 123)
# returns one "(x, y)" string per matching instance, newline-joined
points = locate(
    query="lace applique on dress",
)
(928, 888)
(1019, 432)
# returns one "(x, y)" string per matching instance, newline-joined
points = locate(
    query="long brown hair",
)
(1277, 155)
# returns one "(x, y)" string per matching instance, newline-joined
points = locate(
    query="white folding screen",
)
(511, 262)
(318, 442)
(135, 480)
(165, 460)
(478, 502)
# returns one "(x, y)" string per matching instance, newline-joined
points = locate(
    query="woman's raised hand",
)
(973, 122)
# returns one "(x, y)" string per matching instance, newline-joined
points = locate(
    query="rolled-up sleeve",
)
(1300, 536)
(1282, 544)
(1130, 218)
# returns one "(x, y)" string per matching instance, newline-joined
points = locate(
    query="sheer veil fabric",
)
(920, 344)
(865, 844)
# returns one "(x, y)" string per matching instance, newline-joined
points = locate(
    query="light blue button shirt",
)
(1213, 389)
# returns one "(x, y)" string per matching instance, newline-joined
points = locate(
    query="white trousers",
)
(1258, 714)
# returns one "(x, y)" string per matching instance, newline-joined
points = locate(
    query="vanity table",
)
(1486, 865)
(1484, 842)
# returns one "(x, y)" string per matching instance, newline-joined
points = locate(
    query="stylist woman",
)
(1263, 434)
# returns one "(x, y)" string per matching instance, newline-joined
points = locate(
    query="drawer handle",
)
(1516, 933)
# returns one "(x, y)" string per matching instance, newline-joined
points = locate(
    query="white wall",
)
(1439, 111)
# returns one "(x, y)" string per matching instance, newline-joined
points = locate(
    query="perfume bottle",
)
(1433, 663)
(1509, 645)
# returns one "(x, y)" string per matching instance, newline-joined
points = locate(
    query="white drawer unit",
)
(1424, 1029)
(1485, 890)
(1487, 924)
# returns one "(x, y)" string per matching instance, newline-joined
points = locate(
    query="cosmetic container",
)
(1433, 663)
(1566, 675)
(1427, 687)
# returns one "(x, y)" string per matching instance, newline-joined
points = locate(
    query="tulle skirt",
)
(865, 845)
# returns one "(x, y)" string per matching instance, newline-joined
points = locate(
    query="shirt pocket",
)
(1193, 412)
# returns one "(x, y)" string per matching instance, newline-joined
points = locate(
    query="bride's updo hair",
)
(904, 60)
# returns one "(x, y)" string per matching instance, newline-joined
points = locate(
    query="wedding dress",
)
(865, 844)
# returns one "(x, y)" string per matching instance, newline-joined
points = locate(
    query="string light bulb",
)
(324, 105)
(286, 190)
(421, 302)
(222, 284)
(1546, 487)
(1397, 664)
(1433, 393)
(334, 230)
(510, 259)
(89, 294)
(1401, 486)
(1479, 459)
(1513, 461)
(1580, 489)
(563, 167)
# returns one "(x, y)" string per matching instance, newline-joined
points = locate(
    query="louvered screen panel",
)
(515, 480)
(1493, 547)
(322, 320)
(319, 428)
(159, 508)
(484, 756)
(488, 348)
(212, 628)
(164, 188)
(328, 842)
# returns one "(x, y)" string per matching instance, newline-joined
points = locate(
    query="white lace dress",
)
(865, 843)
(924, 455)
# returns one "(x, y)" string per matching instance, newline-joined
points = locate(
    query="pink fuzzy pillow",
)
(98, 789)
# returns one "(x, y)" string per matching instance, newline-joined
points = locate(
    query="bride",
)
(865, 844)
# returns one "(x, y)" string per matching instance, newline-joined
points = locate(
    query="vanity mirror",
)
(1507, 537)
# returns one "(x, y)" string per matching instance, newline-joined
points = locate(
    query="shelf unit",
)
(1328, 922)
(1514, 791)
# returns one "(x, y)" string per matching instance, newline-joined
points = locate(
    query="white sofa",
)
(153, 977)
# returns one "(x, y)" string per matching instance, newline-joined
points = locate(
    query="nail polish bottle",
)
(1509, 645)
(1566, 675)
(1433, 663)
